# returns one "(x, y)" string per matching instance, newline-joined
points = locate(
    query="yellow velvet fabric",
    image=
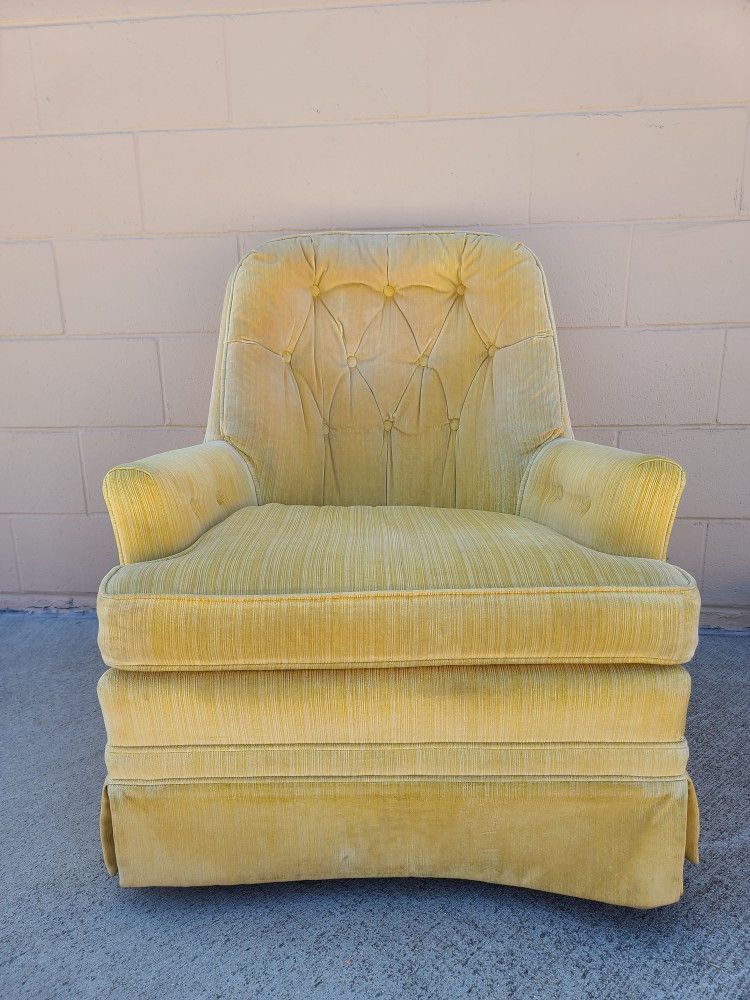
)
(605, 498)
(642, 760)
(381, 586)
(495, 704)
(389, 480)
(616, 840)
(162, 504)
(389, 368)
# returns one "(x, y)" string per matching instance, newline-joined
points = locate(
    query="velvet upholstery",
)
(559, 703)
(390, 618)
(409, 368)
(332, 586)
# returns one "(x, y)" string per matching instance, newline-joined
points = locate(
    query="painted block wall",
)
(146, 144)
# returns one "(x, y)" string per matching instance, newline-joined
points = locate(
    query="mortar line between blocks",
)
(58, 287)
(227, 75)
(160, 364)
(139, 180)
(721, 373)
(628, 264)
(426, 119)
(82, 473)
(743, 167)
(14, 543)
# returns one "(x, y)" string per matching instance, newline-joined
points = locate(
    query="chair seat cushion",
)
(296, 586)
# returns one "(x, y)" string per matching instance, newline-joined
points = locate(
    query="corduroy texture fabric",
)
(389, 481)
(389, 368)
(619, 841)
(652, 760)
(494, 704)
(326, 586)
(605, 498)
(162, 504)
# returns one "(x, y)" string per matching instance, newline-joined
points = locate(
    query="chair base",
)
(616, 840)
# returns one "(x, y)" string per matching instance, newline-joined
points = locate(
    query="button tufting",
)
(460, 289)
(388, 424)
(351, 361)
(422, 360)
(315, 291)
(326, 429)
(286, 357)
(492, 349)
(454, 423)
(389, 291)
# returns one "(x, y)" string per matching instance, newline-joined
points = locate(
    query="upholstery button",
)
(454, 423)
(315, 291)
(326, 429)
(460, 289)
(388, 424)
(286, 357)
(389, 291)
(351, 361)
(422, 360)
(491, 350)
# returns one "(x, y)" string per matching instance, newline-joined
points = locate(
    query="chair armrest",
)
(605, 498)
(161, 504)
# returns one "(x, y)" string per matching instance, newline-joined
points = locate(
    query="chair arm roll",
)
(160, 505)
(605, 498)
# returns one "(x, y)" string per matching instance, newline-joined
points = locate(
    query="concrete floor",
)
(68, 931)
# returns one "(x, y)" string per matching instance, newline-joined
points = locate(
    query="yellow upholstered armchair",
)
(390, 618)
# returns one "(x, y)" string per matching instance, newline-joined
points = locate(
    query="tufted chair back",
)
(388, 368)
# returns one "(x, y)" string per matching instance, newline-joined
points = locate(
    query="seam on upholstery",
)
(673, 515)
(107, 578)
(255, 343)
(415, 745)
(113, 521)
(541, 779)
(134, 467)
(197, 666)
(296, 335)
(251, 472)
(681, 480)
(244, 459)
(110, 492)
(247, 466)
(564, 415)
(225, 350)
(537, 457)
(540, 335)
(379, 595)
(661, 460)
(374, 232)
(425, 775)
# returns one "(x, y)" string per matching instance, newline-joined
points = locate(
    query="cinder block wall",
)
(146, 144)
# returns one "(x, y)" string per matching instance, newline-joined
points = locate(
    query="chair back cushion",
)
(388, 368)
